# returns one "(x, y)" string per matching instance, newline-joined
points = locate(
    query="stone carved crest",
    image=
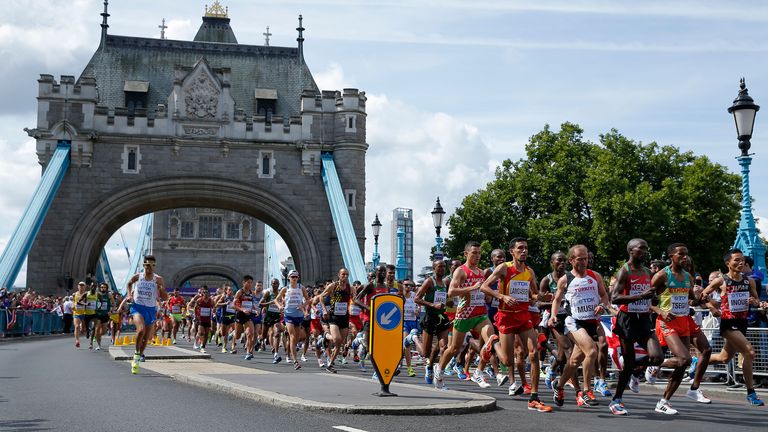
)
(202, 97)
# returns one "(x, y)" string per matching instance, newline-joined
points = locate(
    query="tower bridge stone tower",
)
(160, 124)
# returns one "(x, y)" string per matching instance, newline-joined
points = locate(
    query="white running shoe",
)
(663, 407)
(479, 379)
(650, 374)
(697, 395)
(438, 377)
(303, 358)
(634, 384)
(203, 351)
(516, 389)
(501, 379)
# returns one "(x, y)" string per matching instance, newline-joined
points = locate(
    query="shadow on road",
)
(24, 425)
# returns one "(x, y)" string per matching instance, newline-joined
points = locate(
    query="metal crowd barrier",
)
(29, 322)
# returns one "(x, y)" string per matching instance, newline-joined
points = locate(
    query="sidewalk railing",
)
(29, 322)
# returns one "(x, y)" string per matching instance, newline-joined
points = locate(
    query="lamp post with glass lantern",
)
(376, 225)
(437, 219)
(747, 238)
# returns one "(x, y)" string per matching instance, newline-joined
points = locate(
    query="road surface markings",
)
(348, 429)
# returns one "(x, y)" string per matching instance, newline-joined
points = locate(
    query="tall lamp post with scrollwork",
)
(376, 225)
(747, 238)
(437, 219)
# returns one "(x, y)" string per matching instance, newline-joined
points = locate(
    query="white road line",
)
(348, 429)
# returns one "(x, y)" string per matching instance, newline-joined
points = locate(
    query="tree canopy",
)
(568, 190)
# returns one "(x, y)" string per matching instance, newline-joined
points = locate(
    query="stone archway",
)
(188, 273)
(93, 229)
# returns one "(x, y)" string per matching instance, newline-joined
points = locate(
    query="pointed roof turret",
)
(215, 26)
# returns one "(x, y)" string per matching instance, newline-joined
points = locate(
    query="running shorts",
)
(228, 320)
(573, 325)
(513, 322)
(560, 323)
(492, 314)
(103, 318)
(693, 327)
(256, 318)
(315, 326)
(306, 323)
(408, 326)
(147, 312)
(176, 317)
(115, 318)
(206, 323)
(242, 318)
(465, 325)
(633, 327)
(297, 320)
(738, 324)
(535, 318)
(435, 324)
(342, 321)
(271, 319)
(678, 326)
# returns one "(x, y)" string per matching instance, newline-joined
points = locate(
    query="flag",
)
(614, 345)
(10, 315)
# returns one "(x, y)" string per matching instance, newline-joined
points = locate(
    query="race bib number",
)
(495, 303)
(680, 305)
(293, 302)
(640, 306)
(91, 305)
(230, 308)
(440, 297)
(176, 309)
(354, 310)
(738, 301)
(246, 305)
(205, 312)
(340, 308)
(273, 308)
(103, 306)
(410, 311)
(477, 298)
(519, 290)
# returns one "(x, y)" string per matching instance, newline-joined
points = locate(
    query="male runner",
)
(584, 293)
(227, 326)
(202, 304)
(103, 307)
(244, 309)
(548, 285)
(272, 320)
(337, 314)
(471, 314)
(175, 304)
(410, 324)
(737, 293)
(674, 287)
(363, 299)
(433, 295)
(633, 293)
(498, 257)
(144, 291)
(517, 285)
(293, 300)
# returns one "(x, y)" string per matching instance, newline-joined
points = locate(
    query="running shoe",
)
(602, 387)
(343, 360)
(98, 348)
(77, 344)
(549, 379)
(438, 378)
(135, 365)
(90, 346)
(173, 341)
(248, 356)
(583, 399)
(516, 389)
(697, 395)
(331, 369)
(233, 351)
(650, 375)
(537, 405)
(277, 360)
(479, 379)
(526, 389)
(663, 407)
(485, 351)
(356, 357)
(411, 372)
(203, 351)
(296, 365)
(489, 371)
(501, 379)
(223, 350)
(634, 384)
(143, 359)
(428, 375)
(196, 346)
(754, 400)
(558, 393)
(303, 358)
(617, 408)
(692, 369)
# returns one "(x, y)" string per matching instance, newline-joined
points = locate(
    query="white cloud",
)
(180, 29)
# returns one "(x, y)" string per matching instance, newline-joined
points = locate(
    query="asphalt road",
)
(48, 385)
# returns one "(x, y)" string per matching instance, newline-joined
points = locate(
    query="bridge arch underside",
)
(193, 271)
(116, 209)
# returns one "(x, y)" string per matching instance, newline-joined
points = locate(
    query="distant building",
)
(403, 218)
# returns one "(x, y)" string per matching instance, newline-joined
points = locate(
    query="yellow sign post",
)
(386, 338)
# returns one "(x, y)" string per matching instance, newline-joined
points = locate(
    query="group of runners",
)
(502, 315)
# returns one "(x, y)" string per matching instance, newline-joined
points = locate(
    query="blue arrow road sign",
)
(388, 316)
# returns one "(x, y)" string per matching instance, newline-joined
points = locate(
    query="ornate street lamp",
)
(437, 220)
(747, 238)
(376, 225)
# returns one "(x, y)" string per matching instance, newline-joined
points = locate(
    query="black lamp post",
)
(437, 219)
(376, 225)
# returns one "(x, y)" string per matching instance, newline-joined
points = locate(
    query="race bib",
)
(354, 310)
(103, 306)
(477, 298)
(738, 301)
(176, 309)
(246, 305)
(273, 308)
(205, 312)
(293, 301)
(91, 305)
(495, 303)
(410, 311)
(680, 304)
(440, 297)
(230, 308)
(519, 290)
(340, 308)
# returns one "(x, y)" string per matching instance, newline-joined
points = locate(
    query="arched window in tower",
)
(266, 168)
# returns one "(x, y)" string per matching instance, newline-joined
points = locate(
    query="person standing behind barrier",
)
(144, 290)
(67, 309)
(737, 293)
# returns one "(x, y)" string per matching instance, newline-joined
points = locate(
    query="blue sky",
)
(454, 87)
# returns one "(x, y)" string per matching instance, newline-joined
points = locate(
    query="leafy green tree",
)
(568, 190)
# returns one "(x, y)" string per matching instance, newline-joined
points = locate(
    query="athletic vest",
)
(516, 284)
(176, 303)
(377, 289)
(104, 304)
(203, 309)
(472, 304)
(438, 294)
(494, 302)
(637, 284)
(91, 303)
(340, 300)
(563, 309)
(230, 306)
(80, 302)
(674, 298)
(734, 303)
(246, 302)
(410, 308)
(272, 309)
(582, 296)
(294, 298)
(145, 291)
